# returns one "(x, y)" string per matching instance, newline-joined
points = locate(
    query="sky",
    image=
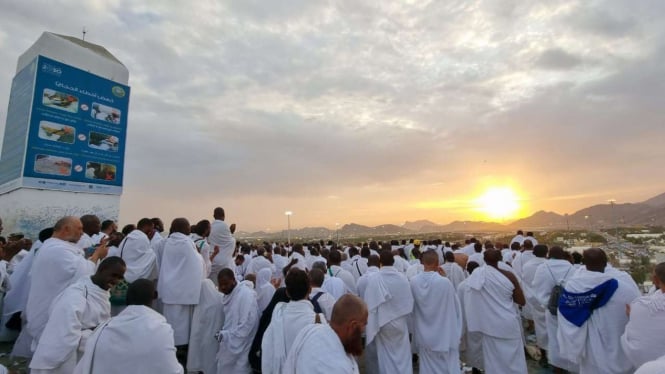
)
(373, 112)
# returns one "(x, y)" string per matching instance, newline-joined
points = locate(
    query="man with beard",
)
(57, 265)
(324, 349)
(75, 313)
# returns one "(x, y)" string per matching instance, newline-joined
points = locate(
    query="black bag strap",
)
(315, 302)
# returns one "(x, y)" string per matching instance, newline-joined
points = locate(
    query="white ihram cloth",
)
(596, 346)
(533, 240)
(358, 267)
(264, 289)
(286, 322)
(454, 273)
(17, 295)
(138, 340)
(204, 249)
(257, 263)
(207, 319)
(179, 285)
(221, 236)
(241, 320)
(642, 340)
(326, 301)
(389, 301)
(75, 313)
(489, 309)
(318, 350)
(549, 274)
(57, 265)
(517, 238)
(346, 277)
(300, 264)
(139, 257)
(536, 310)
(84, 242)
(414, 270)
(334, 286)
(471, 346)
(520, 260)
(362, 281)
(437, 321)
(653, 367)
(478, 258)
(401, 264)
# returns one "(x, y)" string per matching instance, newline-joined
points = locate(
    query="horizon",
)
(374, 113)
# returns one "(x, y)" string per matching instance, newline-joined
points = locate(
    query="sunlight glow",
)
(498, 203)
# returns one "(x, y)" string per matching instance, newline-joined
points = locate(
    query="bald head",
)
(595, 259)
(430, 261)
(347, 307)
(68, 229)
(348, 320)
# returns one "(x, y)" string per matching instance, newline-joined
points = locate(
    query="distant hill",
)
(420, 225)
(648, 212)
(656, 201)
(540, 219)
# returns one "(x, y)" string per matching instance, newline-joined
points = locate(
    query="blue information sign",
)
(78, 131)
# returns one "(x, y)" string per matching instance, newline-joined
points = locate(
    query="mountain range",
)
(650, 212)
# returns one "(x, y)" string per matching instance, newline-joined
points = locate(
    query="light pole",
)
(616, 225)
(288, 214)
(337, 232)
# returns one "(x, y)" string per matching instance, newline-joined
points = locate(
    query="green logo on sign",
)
(118, 91)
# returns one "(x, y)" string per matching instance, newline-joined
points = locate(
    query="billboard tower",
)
(64, 141)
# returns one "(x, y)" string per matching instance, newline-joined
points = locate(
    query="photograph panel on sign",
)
(105, 113)
(100, 171)
(103, 142)
(56, 132)
(54, 165)
(59, 100)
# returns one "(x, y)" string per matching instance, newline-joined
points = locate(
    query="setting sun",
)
(498, 203)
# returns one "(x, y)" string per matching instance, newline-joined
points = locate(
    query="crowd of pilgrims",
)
(85, 298)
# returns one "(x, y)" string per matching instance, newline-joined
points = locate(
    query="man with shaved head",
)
(555, 271)
(325, 349)
(437, 318)
(390, 302)
(179, 286)
(592, 316)
(643, 340)
(489, 297)
(57, 265)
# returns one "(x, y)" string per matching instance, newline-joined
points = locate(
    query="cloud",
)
(358, 111)
(556, 59)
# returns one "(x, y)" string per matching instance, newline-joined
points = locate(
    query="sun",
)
(498, 203)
